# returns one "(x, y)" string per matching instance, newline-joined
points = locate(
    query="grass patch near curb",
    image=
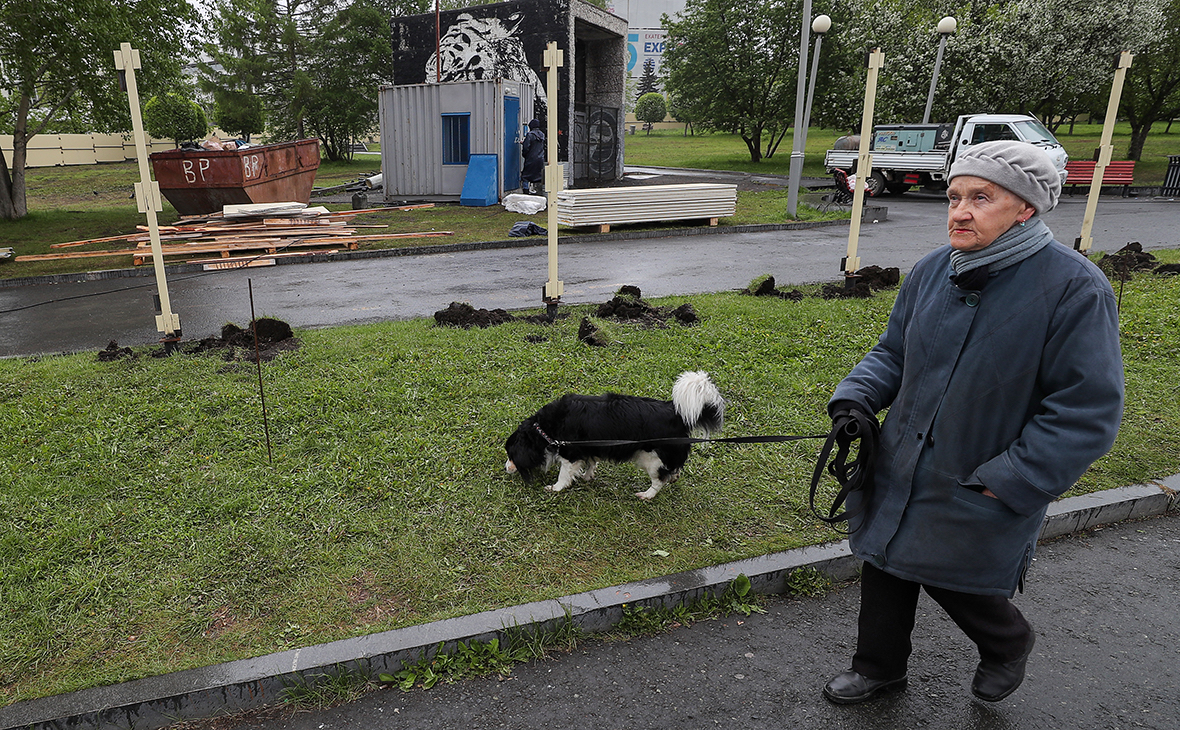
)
(143, 531)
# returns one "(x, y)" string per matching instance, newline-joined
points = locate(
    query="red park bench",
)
(1117, 172)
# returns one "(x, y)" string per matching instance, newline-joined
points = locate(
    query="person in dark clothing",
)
(533, 149)
(1002, 372)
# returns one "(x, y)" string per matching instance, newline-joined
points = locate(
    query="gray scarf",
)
(1011, 247)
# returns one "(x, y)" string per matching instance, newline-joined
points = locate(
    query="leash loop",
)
(852, 476)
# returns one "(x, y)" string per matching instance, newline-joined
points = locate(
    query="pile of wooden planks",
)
(601, 207)
(241, 238)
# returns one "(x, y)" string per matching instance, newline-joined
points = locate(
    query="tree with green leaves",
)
(314, 66)
(650, 109)
(732, 66)
(680, 114)
(1049, 58)
(351, 53)
(263, 47)
(175, 117)
(238, 113)
(237, 67)
(1067, 48)
(648, 83)
(57, 63)
(1152, 90)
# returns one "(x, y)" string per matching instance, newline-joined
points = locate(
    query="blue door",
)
(512, 140)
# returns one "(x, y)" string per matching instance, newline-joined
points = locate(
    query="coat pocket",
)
(979, 499)
(953, 537)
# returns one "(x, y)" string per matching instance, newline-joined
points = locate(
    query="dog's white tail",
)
(698, 402)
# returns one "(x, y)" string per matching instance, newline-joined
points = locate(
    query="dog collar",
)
(545, 436)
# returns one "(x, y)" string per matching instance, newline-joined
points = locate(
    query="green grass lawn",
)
(716, 151)
(143, 529)
(671, 148)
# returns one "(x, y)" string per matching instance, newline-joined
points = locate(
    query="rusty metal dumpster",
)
(197, 182)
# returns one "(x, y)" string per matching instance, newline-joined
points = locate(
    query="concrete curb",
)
(870, 213)
(251, 683)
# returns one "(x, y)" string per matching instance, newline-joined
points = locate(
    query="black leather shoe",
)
(996, 680)
(849, 688)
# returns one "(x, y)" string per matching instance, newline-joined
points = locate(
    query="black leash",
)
(854, 476)
(847, 429)
(677, 440)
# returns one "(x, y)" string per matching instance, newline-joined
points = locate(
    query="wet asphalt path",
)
(86, 316)
(1107, 658)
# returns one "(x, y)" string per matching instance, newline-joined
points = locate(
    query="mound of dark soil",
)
(852, 288)
(1129, 258)
(627, 309)
(590, 334)
(767, 289)
(685, 314)
(863, 283)
(861, 286)
(628, 306)
(878, 278)
(114, 352)
(274, 336)
(465, 316)
(234, 343)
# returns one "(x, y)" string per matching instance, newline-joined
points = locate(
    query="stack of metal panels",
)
(645, 204)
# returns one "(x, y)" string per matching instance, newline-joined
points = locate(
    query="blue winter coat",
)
(1018, 389)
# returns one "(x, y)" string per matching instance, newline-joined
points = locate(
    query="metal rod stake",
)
(258, 363)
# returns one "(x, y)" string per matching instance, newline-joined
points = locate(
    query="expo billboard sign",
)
(644, 44)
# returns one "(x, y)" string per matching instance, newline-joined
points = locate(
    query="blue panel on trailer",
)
(479, 186)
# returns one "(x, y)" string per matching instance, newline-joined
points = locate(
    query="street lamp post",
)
(946, 28)
(796, 139)
(822, 24)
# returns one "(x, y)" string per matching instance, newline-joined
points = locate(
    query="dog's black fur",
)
(575, 418)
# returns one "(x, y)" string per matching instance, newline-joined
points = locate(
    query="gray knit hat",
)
(1019, 167)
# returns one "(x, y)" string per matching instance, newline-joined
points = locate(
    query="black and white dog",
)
(552, 433)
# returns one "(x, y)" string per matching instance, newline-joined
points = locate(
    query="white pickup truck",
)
(905, 155)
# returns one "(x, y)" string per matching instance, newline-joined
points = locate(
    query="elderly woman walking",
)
(1001, 369)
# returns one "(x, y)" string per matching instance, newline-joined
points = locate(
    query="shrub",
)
(651, 109)
(175, 117)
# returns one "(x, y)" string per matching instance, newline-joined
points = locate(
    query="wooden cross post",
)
(1105, 150)
(554, 172)
(864, 163)
(147, 193)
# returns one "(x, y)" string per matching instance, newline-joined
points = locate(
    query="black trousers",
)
(887, 609)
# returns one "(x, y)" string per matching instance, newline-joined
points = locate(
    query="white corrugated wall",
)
(411, 133)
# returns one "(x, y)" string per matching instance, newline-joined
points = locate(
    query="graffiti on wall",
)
(508, 40)
(604, 143)
(484, 48)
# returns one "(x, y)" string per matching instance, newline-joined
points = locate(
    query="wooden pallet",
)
(267, 235)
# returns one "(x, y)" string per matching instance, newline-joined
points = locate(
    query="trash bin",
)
(1172, 177)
